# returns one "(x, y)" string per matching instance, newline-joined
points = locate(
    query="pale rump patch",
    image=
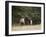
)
(22, 20)
(31, 22)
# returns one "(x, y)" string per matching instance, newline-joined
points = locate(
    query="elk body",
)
(26, 21)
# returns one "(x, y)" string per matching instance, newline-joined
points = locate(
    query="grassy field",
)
(26, 27)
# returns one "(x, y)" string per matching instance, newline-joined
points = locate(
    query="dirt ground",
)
(26, 27)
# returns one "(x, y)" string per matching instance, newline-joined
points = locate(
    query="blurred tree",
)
(24, 11)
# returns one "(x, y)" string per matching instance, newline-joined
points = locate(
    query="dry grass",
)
(26, 27)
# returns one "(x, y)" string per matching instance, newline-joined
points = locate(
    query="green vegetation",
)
(24, 11)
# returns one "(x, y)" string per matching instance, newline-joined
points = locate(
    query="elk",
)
(27, 21)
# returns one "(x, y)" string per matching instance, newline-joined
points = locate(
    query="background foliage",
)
(24, 11)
